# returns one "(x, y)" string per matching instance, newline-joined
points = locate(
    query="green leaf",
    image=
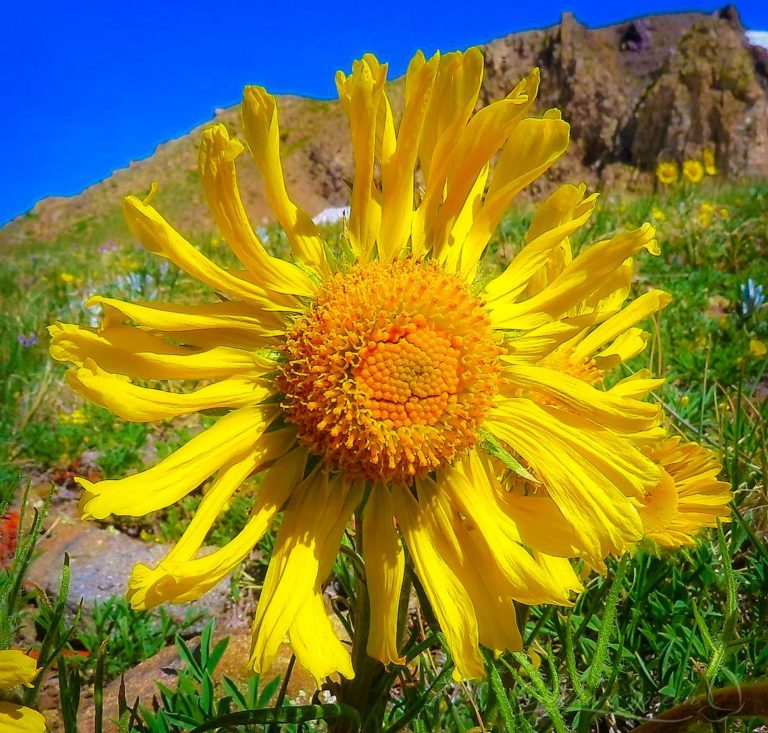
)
(492, 446)
(233, 691)
(188, 657)
(502, 699)
(298, 714)
(216, 654)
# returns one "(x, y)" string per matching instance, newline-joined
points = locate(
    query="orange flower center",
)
(392, 370)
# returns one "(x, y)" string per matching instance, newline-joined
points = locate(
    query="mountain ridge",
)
(636, 92)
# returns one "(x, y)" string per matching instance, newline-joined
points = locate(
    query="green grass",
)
(671, 626)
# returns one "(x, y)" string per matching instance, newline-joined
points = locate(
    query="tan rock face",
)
(708, 95)
(661, 87)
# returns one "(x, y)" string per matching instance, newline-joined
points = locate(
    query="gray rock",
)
(101, 561)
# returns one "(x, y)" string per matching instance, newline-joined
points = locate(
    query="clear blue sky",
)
(86, 87)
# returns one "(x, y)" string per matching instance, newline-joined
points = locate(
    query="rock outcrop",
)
(656, 88)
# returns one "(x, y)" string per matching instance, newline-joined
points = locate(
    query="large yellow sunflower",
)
(16, 668)
(391, 380)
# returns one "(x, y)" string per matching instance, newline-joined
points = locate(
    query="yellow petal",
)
(757, 348)
(496, 535)
(637, 386)
(647, 304)
(542, 525)
(384, 568)
(450, 255)
(16, 668)
(182, 471)
(361, 95)
(160, 237)
(561, 570)
(535, 146)
(477, 569)
(659, 507)
(315, 644)
(453, 100)
(556, 219)
(262, 132)
(141, 404)
(607, 299)
(577, 281)
(589, 472)
(141, 355)
(180, 576)
(250, 323)
(432, 554)
(625, 347)
(454, 95)
(20, 719)
(480, 575)
(484, 135)
(217, 171)
(605, 408)
(306, 546)
(397, 170)
(533, 346)
(539, 524)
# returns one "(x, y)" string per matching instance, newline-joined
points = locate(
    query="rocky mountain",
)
(654, 88)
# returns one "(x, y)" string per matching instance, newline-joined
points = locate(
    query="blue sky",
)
(86, 87)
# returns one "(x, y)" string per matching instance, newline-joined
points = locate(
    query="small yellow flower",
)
(667, 173)
(130, 263)
(693, 170)
(709, 161)
(76, 417)
(705, 214)
(724, 212)
(685, 399)
(67, 278)
(657, 214)
(688, 497)
(757, 348)
(16, 668)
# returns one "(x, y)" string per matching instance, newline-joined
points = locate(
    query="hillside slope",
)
(637, 92)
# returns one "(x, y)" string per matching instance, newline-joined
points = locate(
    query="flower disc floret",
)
(391, 372)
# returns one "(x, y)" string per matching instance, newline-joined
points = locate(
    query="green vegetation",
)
(656, 631)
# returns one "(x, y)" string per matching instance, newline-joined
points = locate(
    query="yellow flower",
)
(757, 348)
(389, 380)
(667, 173)
(693, 170)
(16, 668)
(688, 497)
(709, 161)
(67, 278)
(705, 214)
(723, 212)
(76, 417)
(130, 263)
(657, 214)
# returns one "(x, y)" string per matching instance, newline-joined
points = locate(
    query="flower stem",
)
(365, 692)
